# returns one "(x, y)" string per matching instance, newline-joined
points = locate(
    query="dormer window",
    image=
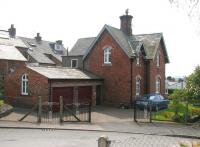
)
(58, 47)
(107, 56)
(74, 63)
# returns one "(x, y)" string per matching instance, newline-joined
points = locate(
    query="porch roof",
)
(52, 72)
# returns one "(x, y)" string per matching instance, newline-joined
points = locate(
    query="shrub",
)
(195, 112)
(1, 102)
(167, 114)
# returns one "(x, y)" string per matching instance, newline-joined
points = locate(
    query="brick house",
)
(31, 68)
(130, 64)
(10, 56)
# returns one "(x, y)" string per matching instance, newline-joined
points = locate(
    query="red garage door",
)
(84, 94)
(66, 92)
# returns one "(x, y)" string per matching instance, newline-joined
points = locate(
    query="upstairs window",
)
(158, 60)
(107, 56)
(24, 84)
(158, 85)
(138, 83)
(138, 61)
(74, 63)
(58, 47)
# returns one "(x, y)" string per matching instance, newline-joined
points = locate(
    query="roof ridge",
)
(87, 38)
(112, 27)
(147, 34)
(35, 40)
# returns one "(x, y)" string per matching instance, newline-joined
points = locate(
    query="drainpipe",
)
(131, 82)
(50, 96)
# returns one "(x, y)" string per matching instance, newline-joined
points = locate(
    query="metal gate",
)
(49, 114)
(78, 112)
(142, 113)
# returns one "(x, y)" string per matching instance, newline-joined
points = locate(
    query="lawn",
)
(168, 114)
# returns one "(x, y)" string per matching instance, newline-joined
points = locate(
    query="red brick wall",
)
(117, 75)
(139, 71)
(38, 86)
(7, 65)
(157, 71)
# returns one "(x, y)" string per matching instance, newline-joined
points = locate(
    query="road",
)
(69, 138)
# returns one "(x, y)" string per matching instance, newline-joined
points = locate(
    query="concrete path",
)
(108, 119)
(73, 138)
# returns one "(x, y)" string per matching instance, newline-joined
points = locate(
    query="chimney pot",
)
(126, 23)
(38, 37)
(59, 42)
(12, 31)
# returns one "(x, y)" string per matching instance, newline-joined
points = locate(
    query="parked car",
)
(156, 101)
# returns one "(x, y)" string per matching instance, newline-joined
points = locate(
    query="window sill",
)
(107, 64)
(24, 94)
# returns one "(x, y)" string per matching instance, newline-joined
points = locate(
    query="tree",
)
(191, 8)
(193, 84)
(179, 96)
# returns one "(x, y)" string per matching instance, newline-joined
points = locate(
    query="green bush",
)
(177, 118)
(167, 115)
(1, 102)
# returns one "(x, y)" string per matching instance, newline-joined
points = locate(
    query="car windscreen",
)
(149, 97)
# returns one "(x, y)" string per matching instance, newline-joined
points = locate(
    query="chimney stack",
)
(12, 31)
(59, 42)
(126, 23)
(38, 38)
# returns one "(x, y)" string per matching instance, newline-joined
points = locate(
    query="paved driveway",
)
(108, 119)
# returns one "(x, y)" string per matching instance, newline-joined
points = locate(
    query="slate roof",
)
(63, 73)
(81, 46)
(130, 44)
(6, 40)
(38, 50)
(150, 42)
(10, 53)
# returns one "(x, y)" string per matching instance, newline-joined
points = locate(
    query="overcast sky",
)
(70, 20)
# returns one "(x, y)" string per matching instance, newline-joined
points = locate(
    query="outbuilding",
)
(26, 84)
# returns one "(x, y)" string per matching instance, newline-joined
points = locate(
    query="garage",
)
(85, 94)
(65, 92)
(82, 94)
(74, 85)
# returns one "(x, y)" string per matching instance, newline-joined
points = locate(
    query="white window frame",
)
(107, 55)
(76, 63)
(138, 61)
(158, 59)
(137, 86)
(58, 47)
(158, 84)
(24, 84)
